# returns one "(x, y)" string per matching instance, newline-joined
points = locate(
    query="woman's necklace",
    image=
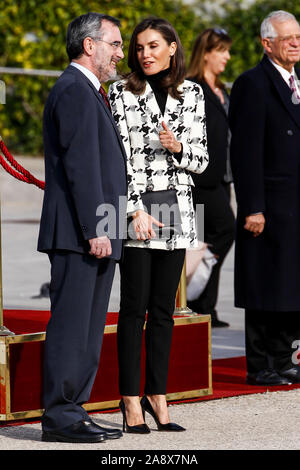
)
(219, 93)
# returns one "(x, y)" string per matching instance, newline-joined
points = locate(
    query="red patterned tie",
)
(105, 97)
(294, 88)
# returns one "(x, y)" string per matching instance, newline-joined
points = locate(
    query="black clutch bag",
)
(163, 206)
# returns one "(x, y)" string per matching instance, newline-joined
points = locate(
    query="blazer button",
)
(169, 159)
(84, 228)
(290, 132)
(149, 187)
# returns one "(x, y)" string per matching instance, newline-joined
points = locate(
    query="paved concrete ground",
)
(255, 422)
(262, 421)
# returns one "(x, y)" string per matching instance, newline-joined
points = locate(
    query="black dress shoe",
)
(172, 427)
(81, 432)
(267, 377)
(216, 323)
(293, 374)
(111, 433)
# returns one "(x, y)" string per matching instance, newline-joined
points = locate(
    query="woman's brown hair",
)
(209, 39)
(136, 80)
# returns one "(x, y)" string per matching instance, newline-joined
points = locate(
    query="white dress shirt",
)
(90, 75)
(286, 75)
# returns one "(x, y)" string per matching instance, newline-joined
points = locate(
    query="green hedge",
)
(32, 35)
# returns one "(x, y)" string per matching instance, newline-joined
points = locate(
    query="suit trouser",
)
(79, 293)
(269, 339)
(149, 281)
(219, 228)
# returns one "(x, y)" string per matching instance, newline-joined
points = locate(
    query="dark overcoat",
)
(265, 158)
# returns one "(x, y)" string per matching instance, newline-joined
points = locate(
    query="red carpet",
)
(228, 375)
(229, 380)
(35, 321)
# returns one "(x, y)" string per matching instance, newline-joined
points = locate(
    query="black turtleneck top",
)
(155, 83)
(161, 96)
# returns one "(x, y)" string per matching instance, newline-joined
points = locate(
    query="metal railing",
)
(20, 71)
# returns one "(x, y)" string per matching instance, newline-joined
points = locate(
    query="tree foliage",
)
(32, 35)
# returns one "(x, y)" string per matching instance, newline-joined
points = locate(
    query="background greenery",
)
(32, 35)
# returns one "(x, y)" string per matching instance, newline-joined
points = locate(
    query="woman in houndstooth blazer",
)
(161, 119)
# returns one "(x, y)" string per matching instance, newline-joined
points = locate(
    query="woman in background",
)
(212, 188)
(161, 120)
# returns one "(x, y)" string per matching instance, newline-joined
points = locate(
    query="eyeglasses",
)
(115, 45)
(287, 39)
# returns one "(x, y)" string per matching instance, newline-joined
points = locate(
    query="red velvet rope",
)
(21, 174)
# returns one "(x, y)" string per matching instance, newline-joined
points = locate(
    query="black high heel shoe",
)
(146, 406)
(138, 428)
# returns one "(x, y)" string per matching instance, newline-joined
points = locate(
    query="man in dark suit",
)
(85, 166)
(265, 151)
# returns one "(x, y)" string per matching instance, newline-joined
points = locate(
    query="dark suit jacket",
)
(265, 158)
(217, 140)
(85, 165)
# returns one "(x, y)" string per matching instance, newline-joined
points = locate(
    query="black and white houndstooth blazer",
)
(150, 166)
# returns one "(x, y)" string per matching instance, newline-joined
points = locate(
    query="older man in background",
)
(265, 152)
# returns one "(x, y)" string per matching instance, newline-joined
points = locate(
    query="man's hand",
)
(255, 223)
(100, 247)
(167, 139)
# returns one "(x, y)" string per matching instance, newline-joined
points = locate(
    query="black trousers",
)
(269, 339)
(219, 229)
(149, 281)
(79, 293)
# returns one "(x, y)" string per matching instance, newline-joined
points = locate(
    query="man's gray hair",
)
(88, 25)
(267, 29)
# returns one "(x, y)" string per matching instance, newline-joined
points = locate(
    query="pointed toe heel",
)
(171, 427)
(138, 428)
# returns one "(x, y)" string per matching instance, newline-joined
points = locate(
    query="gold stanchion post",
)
(3, 330)
(181, 304)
